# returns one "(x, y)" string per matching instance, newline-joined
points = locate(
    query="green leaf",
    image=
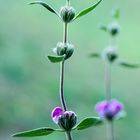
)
(56, 59)
(103, 28)
(95, 55)
(88, 122)
(86, 11)
(46, 6)
(35, 132)
(116, 13)
(128, 65)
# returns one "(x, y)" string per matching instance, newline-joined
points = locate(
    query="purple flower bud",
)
(109, 109)
(65, 119)
(68, 120)
(56, 113)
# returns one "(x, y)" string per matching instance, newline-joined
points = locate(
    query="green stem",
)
(110, 130)
(62, 66)
(63, 103)
(68, 135)
(65, 38)
(108, 80)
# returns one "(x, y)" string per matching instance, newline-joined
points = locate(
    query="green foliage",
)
(35, 132)
(46, 6)
(129, 65)
(94, 55)
(86, 11)
(56, 59)
(88, 122)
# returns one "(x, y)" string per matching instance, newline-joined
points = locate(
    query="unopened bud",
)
(69, 50)
(67, 121)
(110, 54)
(60, 48)
(114, 28)
(67, 13)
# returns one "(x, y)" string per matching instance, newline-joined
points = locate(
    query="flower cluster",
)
(109, 109)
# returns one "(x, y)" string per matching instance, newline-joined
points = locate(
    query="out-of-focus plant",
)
(65, 119)
(111, 109)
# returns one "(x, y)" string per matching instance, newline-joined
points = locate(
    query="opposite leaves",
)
(35, 132)
(86, 11)
(56, 59)
(88, 122)
(46, 6)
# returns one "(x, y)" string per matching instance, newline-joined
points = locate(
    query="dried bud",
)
(65, 119)
(109, 109)
(110, 54)
(114, 28)
(67, 13)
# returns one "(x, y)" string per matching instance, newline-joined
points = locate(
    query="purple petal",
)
(101, 107)
(115, 107)
(56, 113)
(110, 109)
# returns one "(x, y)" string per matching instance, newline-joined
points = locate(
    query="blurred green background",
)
(29, 83)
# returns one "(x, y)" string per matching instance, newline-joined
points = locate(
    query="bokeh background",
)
(29, 83)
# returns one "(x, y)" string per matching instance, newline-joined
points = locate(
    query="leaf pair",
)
(120, 63)
(82, 13)
(84, 124)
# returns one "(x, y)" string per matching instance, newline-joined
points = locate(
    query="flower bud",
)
(69, 50)
(60, 48)
(109, 109)
(67, 121)
(67, 13)
(110, 54)
(114, 28)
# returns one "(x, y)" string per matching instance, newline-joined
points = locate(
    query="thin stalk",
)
(68, 135)
(108, 80)
(62, 66)
(65, 33)
(62, 99)
(68, 2)
(110, 130)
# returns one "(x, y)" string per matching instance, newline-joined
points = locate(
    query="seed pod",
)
(67, 13)
(67, 121)
(114, 28)
(110, 54)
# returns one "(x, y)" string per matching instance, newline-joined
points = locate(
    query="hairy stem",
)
(110, 130)
(68, 135)
(62, 86)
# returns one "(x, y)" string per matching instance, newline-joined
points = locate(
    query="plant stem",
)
(65, 34)
(68, 135)
(62, 86)
(110, 130)
(108, 80)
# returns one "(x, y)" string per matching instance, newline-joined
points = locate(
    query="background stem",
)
(108, 80)
(110, 130)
